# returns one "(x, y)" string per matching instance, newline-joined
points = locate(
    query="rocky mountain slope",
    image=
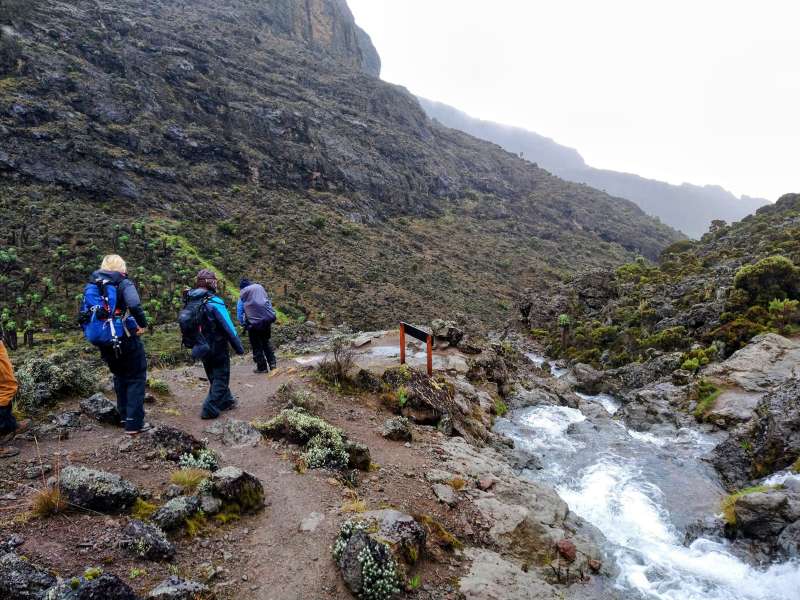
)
(688, 208)
(739, 281)
(253, 137)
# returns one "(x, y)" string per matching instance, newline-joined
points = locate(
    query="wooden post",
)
(402, 344)
(430, 355)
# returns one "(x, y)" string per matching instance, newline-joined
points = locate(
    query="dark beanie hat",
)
(244, 282)
(206, 279)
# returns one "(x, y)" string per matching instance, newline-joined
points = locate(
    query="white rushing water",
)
(640, 489)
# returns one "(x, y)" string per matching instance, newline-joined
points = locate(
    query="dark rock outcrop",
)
(768, 443)
(101, 409)
(21, 579)
(235, 486)
(175, 588)
(97, 490)
(147, 541)
(174, 513)
(174, 443)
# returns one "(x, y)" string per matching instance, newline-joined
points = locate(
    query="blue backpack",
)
(101, 326)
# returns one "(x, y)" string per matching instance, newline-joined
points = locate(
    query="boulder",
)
(174, 443)
(97, 490)
(447, 331)
(768, 361)
(764, 515)
(101, 409)
(239, 434)
(397, 429)
(638, 375)
(359, 455)
(492, 577)
(70, 419)
(89, 587)
(789, 541)
(657, 404)
(768, 443)
(375, 551)
(175, 512)
(587, 379)
(235, 486)
(175, 588)
(733, 407)
(21, 579)
(145, 540)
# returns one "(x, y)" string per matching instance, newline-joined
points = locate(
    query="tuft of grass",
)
(438, 533)
(48, 501)
(189, 478)
(707, 398)
(729, 502)
(414, 583)
(500, 407)
(136, 572)
(143, 510)
(229, 513)
(173, 412)
(196, 524)
(354, 506)
(796, 466)
(457, 483)
(159, 386)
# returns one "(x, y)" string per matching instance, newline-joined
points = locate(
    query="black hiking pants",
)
(129, 368)
(263, 354)
(219, 398)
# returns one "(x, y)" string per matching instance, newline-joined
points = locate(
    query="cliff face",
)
(250, 131)
(325, 26)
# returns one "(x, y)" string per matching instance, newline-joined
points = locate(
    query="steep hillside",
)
(739, 281)
(688, 208)
(252, 136)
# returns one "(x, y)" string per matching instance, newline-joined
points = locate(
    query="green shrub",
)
(691, 364)
(737, 333)
(668, 340)
(768, 279)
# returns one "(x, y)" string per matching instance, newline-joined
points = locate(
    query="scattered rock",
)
(486, 483)
(491, 577)
(106, 587)
(175, 588)
(445, 494)
(210, 505)
(21, 579)
(147, 541)
(359, 455)
(175, 512)
(233, 485)
(567, 550)
(397, 429)
(69, 418)
(97, 490)
(174, 443)
(100, 408)
(239, 434)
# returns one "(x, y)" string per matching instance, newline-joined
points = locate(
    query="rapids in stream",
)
(642, 490)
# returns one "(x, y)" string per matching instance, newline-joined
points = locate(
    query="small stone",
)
(595, 565)
(101, 409)
(176, 588)
(397, 429)
(311, 522)
(567, 550)
(445, 494)
(486, 483)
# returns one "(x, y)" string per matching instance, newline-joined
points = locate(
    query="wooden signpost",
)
(422, 336)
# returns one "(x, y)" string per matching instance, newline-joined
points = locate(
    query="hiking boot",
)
(261, 370)
(8, 452)
(7, 437)
(145, 427)
(232, 406)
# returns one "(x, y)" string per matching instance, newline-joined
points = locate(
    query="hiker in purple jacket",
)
(254, 311)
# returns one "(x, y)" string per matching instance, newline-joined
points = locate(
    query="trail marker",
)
(422, 336)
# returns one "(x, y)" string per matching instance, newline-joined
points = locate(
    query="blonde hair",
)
(113, 262)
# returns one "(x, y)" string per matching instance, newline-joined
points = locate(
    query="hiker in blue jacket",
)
(255, 312)
(128, 364)
(218, 333)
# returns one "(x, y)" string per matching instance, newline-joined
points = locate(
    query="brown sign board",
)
(422, 336)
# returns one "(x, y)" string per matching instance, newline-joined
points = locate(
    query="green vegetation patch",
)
(729, 502)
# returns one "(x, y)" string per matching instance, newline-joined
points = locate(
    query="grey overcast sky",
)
(699, 91)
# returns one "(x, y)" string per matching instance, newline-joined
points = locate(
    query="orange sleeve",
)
(8, 383)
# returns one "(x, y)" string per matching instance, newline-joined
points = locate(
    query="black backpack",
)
(195, 322)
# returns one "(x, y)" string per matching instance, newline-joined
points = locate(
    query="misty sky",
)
(704, 91)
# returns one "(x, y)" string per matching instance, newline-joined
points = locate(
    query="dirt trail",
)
(264, 556)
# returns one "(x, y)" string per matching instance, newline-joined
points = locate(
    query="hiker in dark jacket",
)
(128, 364)
(254, 311)
(219, 332)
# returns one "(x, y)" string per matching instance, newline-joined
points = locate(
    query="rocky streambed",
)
(644, 491)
